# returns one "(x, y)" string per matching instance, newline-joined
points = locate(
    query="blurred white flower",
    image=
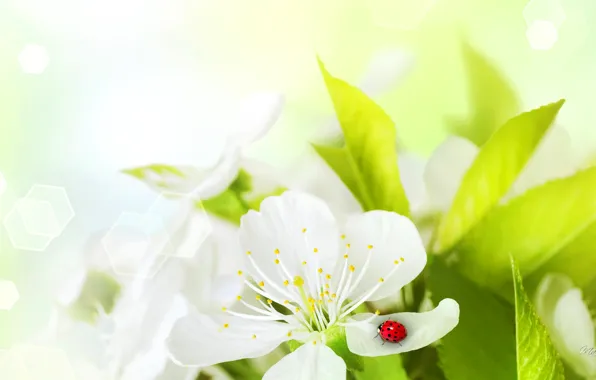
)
(566, 316)
(445, 169)
(256, 116)
(296, 257)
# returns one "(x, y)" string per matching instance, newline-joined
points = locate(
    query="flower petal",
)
(445, 170)
(561, 308)
(391, 238)
(423, 329)
(411, 172)
(552, 159)
(309, 362)
(257, 114)
(290, 229)
(201, 340)
(385, 70)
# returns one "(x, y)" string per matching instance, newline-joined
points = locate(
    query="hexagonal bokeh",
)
(38, 218)
(175, 225)
(399, 14)
(33, 59)
(134, 248)
(549, 10)
(186, 222)
(32, 362)
(9, 294)
(542, 35)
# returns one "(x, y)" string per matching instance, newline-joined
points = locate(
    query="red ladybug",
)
(392, 331)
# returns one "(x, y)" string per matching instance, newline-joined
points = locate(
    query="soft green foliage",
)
(537, 359)
(367, 164)
(494, 170)
(255, 203)
(336, 340)
(492, 99)
(382, 368)
(576, 259)
(99, 291)
(241, 369)
(160, 169)
(227, 205)
(482, 345)
(549, 221)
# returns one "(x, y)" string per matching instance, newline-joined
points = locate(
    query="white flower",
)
(257, 114)
(567, 318)
(297, 258)
(434, 188)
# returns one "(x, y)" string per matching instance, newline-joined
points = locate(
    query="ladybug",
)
(392, 331)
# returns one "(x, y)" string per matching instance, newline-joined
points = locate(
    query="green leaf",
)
(242, 184)
(336, 340)
(367, 164)
(576, 260)
(537, 359)
(494, 170)
(482, 345)
(241, 369)
(227, 205)
(255, 203)
(382, 368)
(423, 364)
(492, 99)
(99, 290)
(554, 221)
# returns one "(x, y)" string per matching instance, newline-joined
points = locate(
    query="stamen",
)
(239, 273)
(254, 336)
(315, 250)
(343, 236)
(248, 253)
(304, 230)
(286, 282)
(276, 251)
(277, 261)
(304, 263)
(262, 284)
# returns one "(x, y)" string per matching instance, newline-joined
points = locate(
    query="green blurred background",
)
(138, 81)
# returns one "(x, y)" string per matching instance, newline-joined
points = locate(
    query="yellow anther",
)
(314, 342)
(381, 279)
(346, 256)
(258, 297)
(370, 246)
(297, 310)
(402, 259)
(377, 312)
(312, 308)
(269, 302)
(304, 263)
(329, 300)
(343, 236)
(303, 230)
(286, 302)
(254, 336)
(311, 300)
(320, 302)
(224, 308)
(239, 273)
(289, 333)
(276, 251)
(333, 295)
(238, 298)
(327, 292)
(261, 284)
(286, 282)
(277, 261)
(322, 295)
(226, 325)
(298, 281)
(352, 268)
(348, 245)
(315, 250)
(320, 270)
(327, 286)
(328, 276)
(248, 253)
(396, 262)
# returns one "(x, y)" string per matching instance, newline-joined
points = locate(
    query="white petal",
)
(257, 114)
(411, 172)
(174, 371)
(552, 159)
(201, 340)
(446, 168)
(562, 310)
(423, 329)
(392, 237)
(309, 362)
(385, 70)
(221, 176)
(301, 227)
